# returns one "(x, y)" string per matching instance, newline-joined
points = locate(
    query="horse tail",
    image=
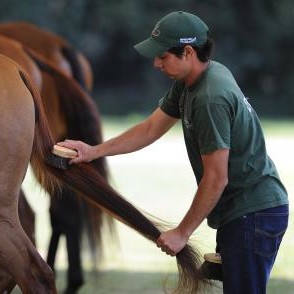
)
(83, 123)
(71, 55)
(42, 144)
(93, 187)
(81, 113)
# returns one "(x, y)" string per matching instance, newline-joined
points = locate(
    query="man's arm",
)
(136, 138)
(211, 186)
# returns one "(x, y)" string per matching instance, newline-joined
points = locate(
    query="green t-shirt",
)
(215, 115)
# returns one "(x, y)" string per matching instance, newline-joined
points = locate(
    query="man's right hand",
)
(86, 153)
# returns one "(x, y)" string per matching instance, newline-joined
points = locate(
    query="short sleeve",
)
(212, 123)
(170, 102)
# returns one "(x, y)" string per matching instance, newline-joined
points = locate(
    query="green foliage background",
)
(253, 38)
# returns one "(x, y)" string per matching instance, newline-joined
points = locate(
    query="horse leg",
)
(60, 226)
(6, 282)
(75, 276)
(26, 216)
(27, 219)
(21, 260)
(53, 246)
(66, 219)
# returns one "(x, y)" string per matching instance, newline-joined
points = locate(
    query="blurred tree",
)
(253, 38)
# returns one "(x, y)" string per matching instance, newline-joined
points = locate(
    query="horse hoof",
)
(73, 287)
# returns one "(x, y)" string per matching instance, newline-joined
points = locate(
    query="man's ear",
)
(188, 50)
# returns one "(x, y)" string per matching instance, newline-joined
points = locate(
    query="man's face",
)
(176, 68)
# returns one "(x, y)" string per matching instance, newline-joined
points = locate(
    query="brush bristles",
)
(57, 161)
(212, 271)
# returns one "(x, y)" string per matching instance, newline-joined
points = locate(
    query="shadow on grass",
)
(131, 282)
(281, 286)
(124, 282)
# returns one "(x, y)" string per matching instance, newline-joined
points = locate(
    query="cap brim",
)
(150, 48)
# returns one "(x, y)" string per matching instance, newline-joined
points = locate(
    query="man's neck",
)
(196, 72)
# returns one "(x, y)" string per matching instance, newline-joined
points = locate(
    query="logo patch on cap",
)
(187, 40)
(156, 31)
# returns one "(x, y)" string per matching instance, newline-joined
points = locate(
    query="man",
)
(239, 190)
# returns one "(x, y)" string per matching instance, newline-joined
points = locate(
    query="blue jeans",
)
(248, 247)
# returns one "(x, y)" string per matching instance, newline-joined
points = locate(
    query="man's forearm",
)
(139, 136)
(132, 140)
(205, 200)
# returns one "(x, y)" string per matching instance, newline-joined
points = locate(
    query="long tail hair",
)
(83, 123)
(85, 179)
(71, 56)
(42, 145)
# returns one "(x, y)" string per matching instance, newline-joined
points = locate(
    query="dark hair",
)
(203, 52)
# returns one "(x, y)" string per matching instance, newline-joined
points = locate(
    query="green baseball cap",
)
(176, 29)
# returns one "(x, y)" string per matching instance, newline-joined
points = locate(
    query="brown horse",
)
(18, 257)
(65, 121)
(15, 51)
(25, 137)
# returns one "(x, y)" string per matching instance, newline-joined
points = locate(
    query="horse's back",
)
(17, 121)
(40, 40)
(50, 46)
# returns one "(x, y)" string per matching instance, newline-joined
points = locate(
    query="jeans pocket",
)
(269, 231)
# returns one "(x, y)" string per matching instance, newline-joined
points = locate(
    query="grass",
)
(160, 181)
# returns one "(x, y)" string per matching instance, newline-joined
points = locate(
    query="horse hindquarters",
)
(18, 256)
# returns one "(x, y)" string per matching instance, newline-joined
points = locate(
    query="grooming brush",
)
(60, 157)
(213, 257)
(212, 267)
